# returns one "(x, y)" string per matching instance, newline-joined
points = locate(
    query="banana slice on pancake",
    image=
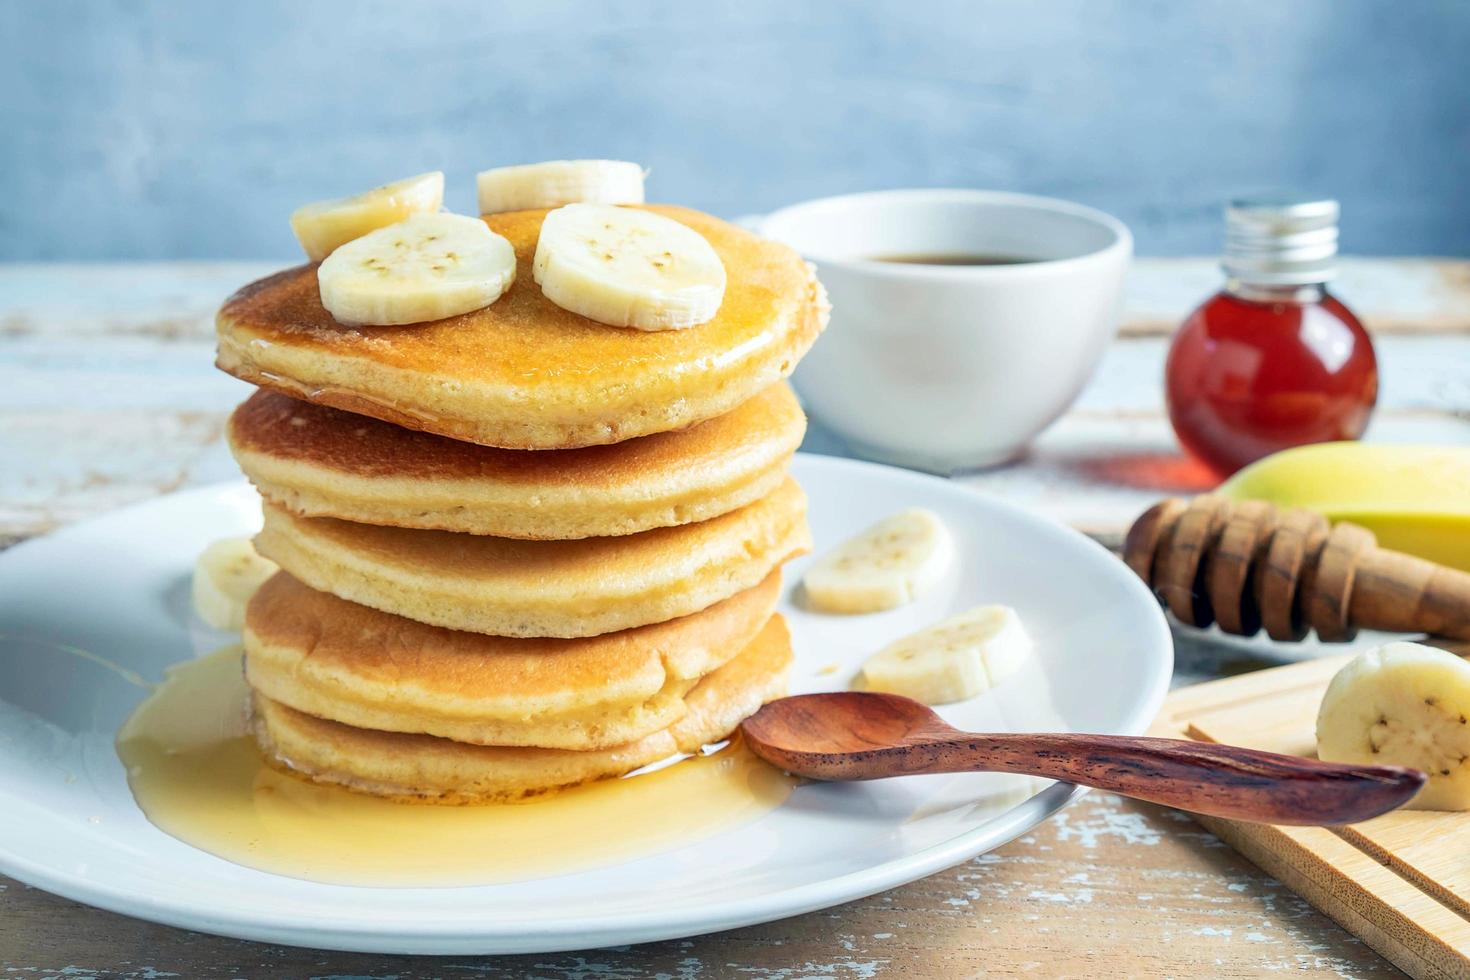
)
(628, 268)
(558, 182)
(1403, 704)
(426, 267)
(324, 226)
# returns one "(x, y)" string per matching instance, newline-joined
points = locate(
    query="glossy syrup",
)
(1249, 377)
(198, 776)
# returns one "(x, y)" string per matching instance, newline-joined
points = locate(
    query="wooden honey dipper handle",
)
(1403, 593)
(1250, 564)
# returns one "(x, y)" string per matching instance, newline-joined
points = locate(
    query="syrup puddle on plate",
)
(197, 775)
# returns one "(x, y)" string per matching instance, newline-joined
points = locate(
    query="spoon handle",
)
(1202, 777)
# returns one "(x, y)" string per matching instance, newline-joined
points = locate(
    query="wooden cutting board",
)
(1400, 882)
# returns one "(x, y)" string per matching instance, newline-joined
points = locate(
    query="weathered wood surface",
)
(106, 398)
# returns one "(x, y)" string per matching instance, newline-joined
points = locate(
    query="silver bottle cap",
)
(1281, 240)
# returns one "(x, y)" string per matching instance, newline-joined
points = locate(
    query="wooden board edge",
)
(1174, 717)
(1407, 927)
(1415, 875)
(1407, 924)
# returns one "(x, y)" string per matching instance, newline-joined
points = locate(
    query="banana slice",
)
(952, 660)
(628, 268)
(323, 226)
(225, 577)
(558, 182)
(426, 267)
(1403, 704)
(889, 564)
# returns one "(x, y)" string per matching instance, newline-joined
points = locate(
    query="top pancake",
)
(523, 373)
(320, 462)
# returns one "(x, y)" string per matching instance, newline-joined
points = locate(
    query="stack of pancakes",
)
(521, 550)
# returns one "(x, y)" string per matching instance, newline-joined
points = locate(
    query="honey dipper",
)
(1249, 564)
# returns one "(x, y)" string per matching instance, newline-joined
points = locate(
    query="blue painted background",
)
(179, 130)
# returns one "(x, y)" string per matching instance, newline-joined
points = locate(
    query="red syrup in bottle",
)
(1273, 360)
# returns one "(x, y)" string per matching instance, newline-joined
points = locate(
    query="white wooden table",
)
(107, 397)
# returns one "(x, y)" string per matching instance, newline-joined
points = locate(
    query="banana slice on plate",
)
(324, 226)
(558, 182)
(1403, 704)
(628, 268)
(889, 564)
(427, 267)
(226, 575)
(952, 660)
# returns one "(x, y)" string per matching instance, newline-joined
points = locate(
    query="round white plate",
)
(116, 588)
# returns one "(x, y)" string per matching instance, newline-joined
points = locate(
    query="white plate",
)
(117, 587)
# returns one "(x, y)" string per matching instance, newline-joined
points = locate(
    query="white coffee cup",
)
(954, 367)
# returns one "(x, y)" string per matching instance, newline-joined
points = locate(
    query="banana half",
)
(427, 267)
(226, 575)
(324, 226)
(558, 182)
(889, 564)
(628, 268)
(1403, 704)
(952, 660)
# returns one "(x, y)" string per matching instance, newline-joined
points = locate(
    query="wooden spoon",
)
(853, 735)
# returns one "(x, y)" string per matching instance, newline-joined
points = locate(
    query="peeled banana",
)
(1414, 498)
(952, 660)
(226, 575)
(628, 268)
(887, 565)
(558, 182)
(1403, 704)
(427, 267)
(324, 226)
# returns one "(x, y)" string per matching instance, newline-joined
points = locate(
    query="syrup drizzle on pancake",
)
(197, 775)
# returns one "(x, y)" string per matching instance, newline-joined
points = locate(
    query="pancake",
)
(335, 659)
(506, 587)
(428, 769)
(322, 462)
(523, 373)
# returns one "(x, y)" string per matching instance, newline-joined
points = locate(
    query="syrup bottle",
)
(1272, 360)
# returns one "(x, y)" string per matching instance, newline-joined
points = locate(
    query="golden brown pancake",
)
(506, 587)
(322, 462)
(523, 373)
(335, 659)
(429, 769)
